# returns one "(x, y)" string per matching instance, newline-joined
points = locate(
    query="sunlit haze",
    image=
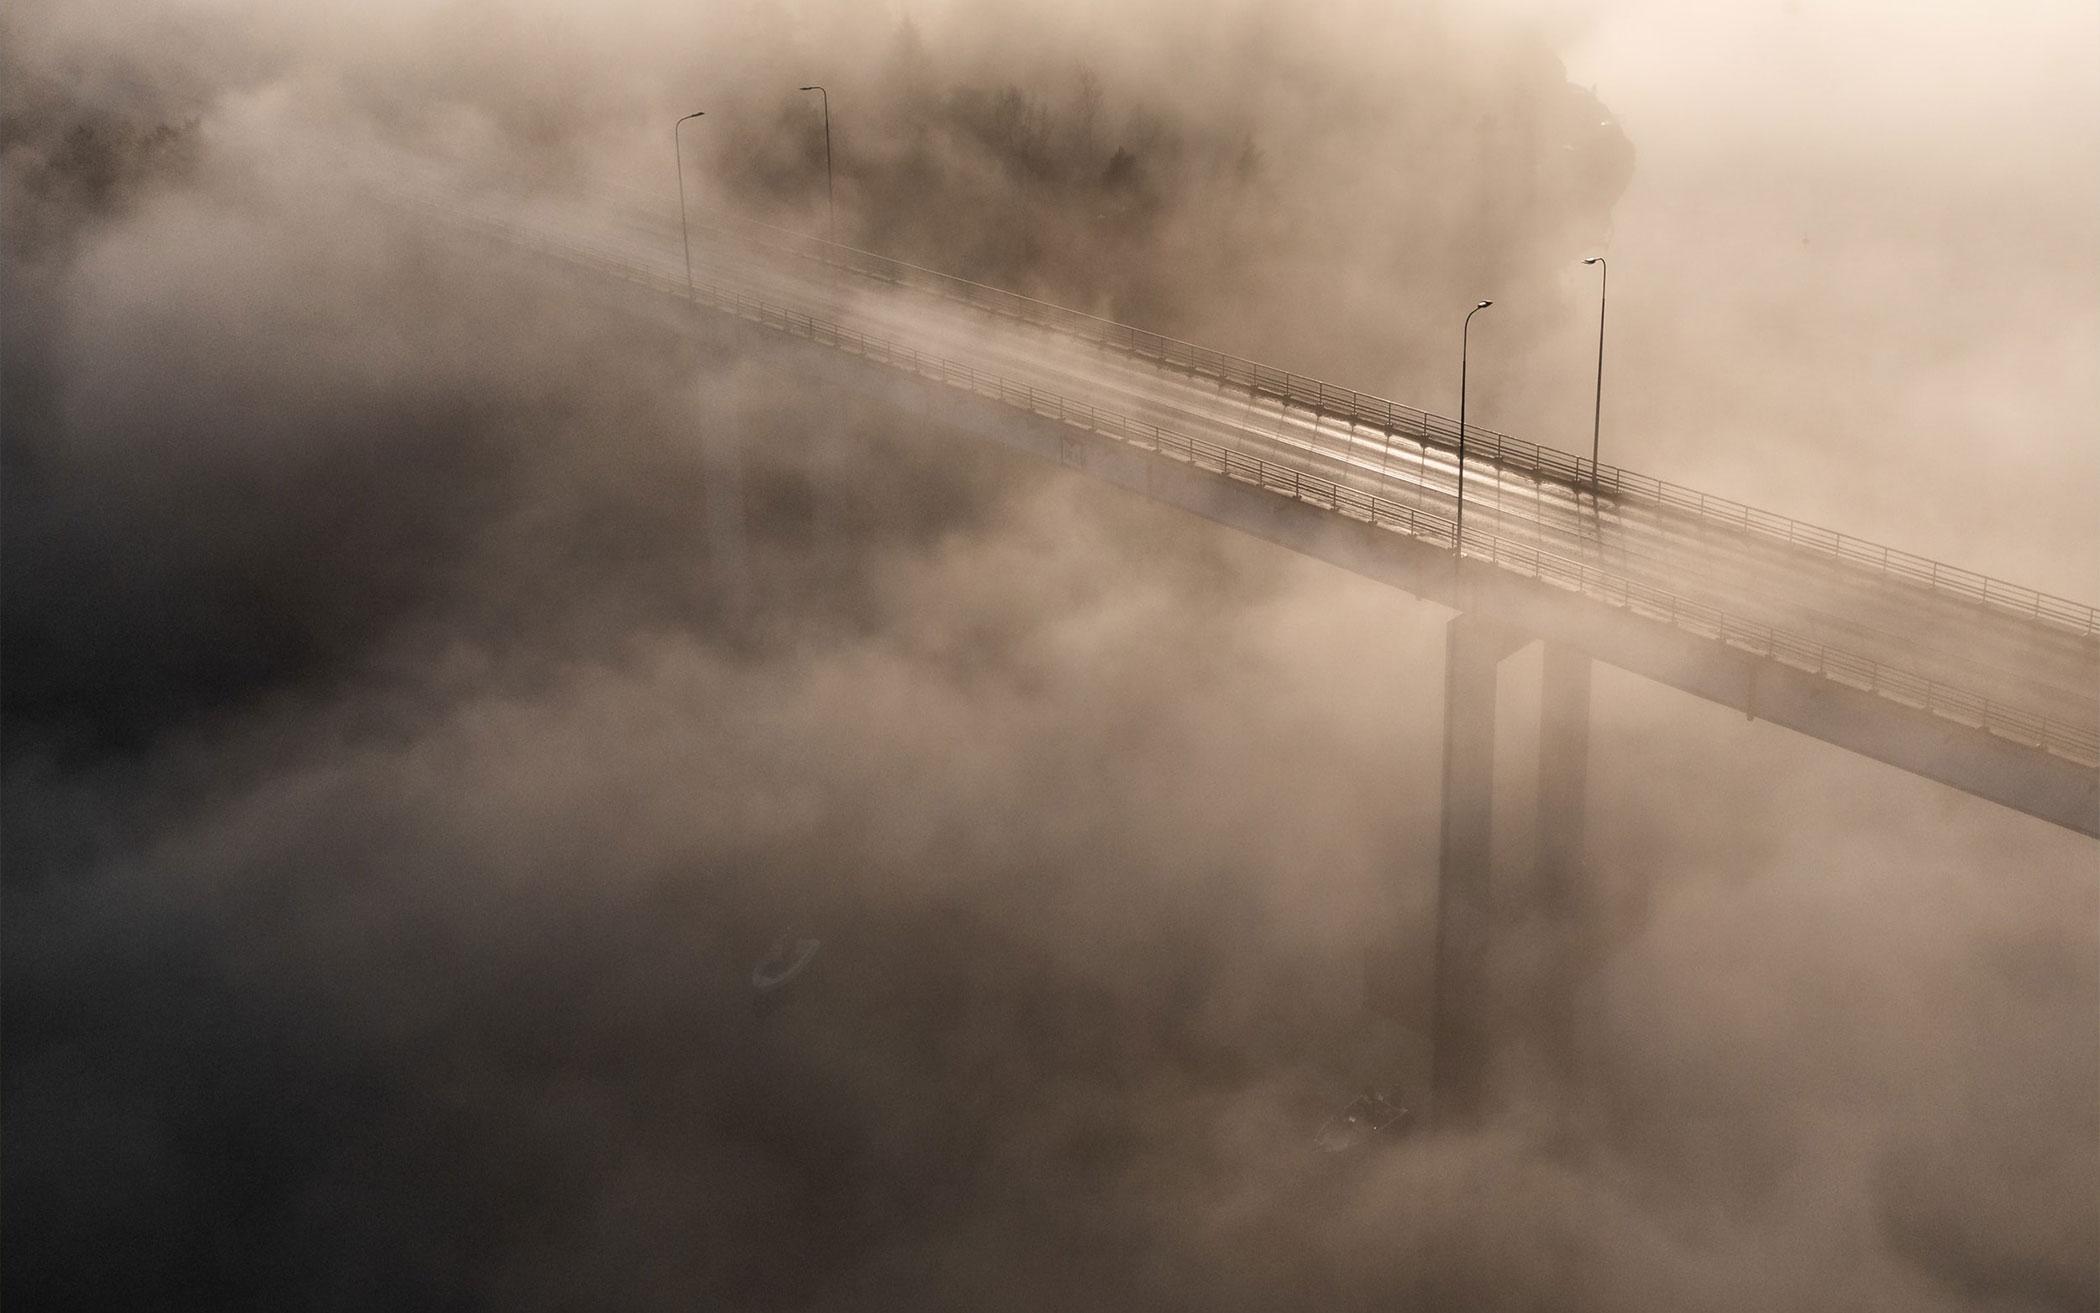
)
(1384, 654)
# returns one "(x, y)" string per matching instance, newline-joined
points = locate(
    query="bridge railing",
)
(2077, 743)
(1371, 411)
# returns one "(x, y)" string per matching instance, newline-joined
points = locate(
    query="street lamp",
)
(830, 205)
(1597, 415)
(684, 236)
(1458, 540)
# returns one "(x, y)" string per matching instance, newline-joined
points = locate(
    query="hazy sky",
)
(1866, 228)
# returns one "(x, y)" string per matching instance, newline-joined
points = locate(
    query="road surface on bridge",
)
(2018, 663)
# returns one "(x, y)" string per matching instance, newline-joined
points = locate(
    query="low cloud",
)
(394, 804)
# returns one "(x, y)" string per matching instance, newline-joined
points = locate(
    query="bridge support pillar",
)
(1563, 898)
(1460, 1005)
(1471, 911)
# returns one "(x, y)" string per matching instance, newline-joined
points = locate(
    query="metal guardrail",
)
(1405, 421)
(2072, 742)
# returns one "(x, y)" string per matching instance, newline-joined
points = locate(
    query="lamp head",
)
(1483, 305)
(1595, 259)
(809, 88)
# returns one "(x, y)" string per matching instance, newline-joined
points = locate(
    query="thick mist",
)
(395, 802)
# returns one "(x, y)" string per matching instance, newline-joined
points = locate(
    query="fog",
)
(398, 791)
(1888, 214)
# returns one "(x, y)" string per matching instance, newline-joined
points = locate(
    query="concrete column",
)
(1461, 1004)
(1565, 915)
(1555, 914)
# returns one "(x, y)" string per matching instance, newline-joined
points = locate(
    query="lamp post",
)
(678, 152)
(1458, 540)
(831, 212)
(1597, 415)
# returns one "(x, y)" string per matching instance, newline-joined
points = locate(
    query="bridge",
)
(1982, 685)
